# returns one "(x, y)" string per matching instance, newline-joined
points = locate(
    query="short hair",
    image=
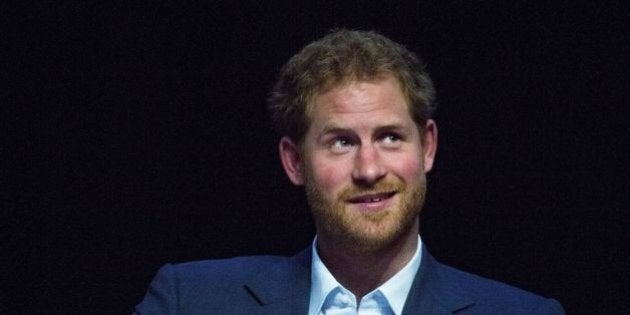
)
(341, 57)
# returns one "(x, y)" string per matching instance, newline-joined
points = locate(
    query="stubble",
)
(367, 231)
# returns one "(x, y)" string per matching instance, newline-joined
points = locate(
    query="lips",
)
(371, 198)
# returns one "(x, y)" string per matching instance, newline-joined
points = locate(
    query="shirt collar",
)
(396, 289)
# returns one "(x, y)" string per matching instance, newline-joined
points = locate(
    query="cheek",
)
(410, 169)
(329, 177)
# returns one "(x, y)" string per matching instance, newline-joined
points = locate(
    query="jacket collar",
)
(285, 288)
(435, 289)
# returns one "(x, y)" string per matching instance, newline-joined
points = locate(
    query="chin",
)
(373, 236)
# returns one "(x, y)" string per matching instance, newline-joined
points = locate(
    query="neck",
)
(361, 271)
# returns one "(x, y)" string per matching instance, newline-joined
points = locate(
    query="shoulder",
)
(221, 271)
(495, 293)
(465, 291)
(210, 284)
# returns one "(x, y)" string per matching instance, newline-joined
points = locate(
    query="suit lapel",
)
(433, 291)
(284, 288)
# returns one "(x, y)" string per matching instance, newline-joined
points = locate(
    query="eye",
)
(391, 140)
(341, 144)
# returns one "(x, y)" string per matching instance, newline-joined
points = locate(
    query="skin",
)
(363, 163)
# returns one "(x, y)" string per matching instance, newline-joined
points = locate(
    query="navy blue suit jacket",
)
(281, 285)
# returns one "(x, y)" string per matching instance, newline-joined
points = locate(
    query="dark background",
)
(135, 134)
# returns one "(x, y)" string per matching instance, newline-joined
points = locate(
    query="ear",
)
(291, 160)
(429, 144)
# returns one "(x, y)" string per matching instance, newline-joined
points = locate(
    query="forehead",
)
(380, 99)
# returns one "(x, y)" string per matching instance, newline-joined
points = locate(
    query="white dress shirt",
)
(395, 290)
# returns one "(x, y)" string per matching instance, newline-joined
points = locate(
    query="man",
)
(354, 111)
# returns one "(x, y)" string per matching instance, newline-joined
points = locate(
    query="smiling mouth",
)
(371, 198)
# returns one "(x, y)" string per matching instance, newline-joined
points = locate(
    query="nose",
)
(368, 166)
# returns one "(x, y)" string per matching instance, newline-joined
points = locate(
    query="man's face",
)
(363, 164)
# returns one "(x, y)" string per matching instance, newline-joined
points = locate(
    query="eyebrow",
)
(333, 128)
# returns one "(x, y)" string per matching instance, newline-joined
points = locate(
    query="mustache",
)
(378, 188)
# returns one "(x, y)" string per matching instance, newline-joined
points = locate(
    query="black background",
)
(135, 134)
